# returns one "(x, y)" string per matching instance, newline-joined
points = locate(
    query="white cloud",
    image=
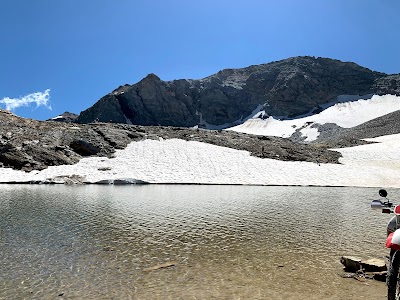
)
(39, 98)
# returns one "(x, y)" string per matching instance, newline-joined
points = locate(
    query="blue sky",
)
(82, 49)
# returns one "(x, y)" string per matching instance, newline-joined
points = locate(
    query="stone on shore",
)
(355, 264)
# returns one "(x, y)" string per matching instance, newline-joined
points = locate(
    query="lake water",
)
(228, 242)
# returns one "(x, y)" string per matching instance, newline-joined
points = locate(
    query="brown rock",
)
(355, 264)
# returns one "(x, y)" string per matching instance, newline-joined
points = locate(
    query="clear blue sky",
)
(83, 49)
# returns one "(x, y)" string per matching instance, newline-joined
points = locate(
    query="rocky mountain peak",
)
(288, 87)
(151, 77)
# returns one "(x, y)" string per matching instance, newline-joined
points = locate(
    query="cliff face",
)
(284, 88)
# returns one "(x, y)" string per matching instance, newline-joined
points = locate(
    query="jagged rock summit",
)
(285, 88)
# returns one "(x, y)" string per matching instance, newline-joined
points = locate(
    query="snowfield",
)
(346, 114)
(178, 161)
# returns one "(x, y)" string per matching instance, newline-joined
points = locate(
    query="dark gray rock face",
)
(288, 87)
(388, 85)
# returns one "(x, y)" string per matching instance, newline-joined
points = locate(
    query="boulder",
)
(355, 264)
(84, 148)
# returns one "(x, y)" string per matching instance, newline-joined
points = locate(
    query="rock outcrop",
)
(388, 85)
(333, 136)
(65, 117)
(288, 88)
(27, 144)
(360, 269)
(354, 264)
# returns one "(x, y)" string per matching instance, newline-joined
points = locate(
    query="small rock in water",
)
(108, 248)
(161, 266)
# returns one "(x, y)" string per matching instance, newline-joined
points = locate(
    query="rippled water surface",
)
(228, 242)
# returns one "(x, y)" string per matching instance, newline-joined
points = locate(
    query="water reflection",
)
(230, 242)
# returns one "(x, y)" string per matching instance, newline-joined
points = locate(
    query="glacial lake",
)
(226, 242)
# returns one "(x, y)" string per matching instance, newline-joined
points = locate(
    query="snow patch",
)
(343, 114)
(178, 161)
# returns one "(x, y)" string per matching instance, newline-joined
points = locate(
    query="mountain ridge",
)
(287, 88)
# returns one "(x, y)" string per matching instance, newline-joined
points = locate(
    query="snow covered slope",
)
(178, 161)
(346, 115)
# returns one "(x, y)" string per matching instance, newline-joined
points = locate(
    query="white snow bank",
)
(347, 114)
(178, 161)
(385, 153)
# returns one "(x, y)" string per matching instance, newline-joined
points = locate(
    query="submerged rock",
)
(161, 266)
